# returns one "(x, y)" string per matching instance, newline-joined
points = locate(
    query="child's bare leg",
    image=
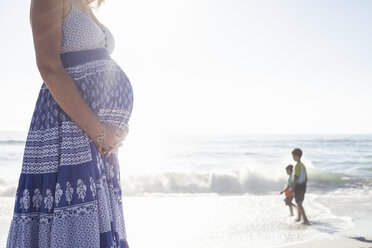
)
(298, 212)
(306, 221)
(293, 205)
(291, 210)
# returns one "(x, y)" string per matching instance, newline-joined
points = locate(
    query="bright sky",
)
(219, 66)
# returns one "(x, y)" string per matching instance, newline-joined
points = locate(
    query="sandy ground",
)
(143, 215)
(336, 243)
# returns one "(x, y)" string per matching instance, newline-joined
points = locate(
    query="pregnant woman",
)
(69, 192)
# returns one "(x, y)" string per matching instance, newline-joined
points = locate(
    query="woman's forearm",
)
(68, 97)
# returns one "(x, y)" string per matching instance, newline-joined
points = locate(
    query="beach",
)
(222, 94)
(222, 221)
(336, 243)
(223, 191)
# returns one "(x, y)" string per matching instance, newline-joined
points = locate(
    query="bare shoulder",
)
(46, 13)
(43, 8)
(65, 8)
(46, 24)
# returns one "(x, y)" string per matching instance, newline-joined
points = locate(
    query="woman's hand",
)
(119, 141)
(112, 140)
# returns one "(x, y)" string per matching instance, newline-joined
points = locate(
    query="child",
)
(289, 194)
(299, 184)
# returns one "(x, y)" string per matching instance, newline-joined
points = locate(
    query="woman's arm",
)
(46, 23)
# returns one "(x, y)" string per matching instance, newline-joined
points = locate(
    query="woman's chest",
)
(80, 32)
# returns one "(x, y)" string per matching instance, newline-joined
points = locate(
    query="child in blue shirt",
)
(288, 193)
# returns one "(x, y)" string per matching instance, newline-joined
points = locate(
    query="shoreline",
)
(333, 243)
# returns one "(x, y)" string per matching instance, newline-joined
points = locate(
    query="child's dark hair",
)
(297, 152)
(289, 167)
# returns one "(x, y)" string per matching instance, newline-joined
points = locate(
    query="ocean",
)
(223, 190)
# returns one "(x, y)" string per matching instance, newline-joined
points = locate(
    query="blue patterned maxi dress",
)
(68, 195)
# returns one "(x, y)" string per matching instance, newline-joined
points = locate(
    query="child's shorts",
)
(299, 193)
(288, 200)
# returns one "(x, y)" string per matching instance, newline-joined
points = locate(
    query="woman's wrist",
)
(101, 137)
(95, 128)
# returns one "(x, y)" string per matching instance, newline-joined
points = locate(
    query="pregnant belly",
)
(107, 90)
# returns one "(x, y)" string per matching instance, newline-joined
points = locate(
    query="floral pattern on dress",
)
(81, 189)
(58, 194)
(48, 200)
(69, 192)
(37, 199)
(92, 186)
(25, 199)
